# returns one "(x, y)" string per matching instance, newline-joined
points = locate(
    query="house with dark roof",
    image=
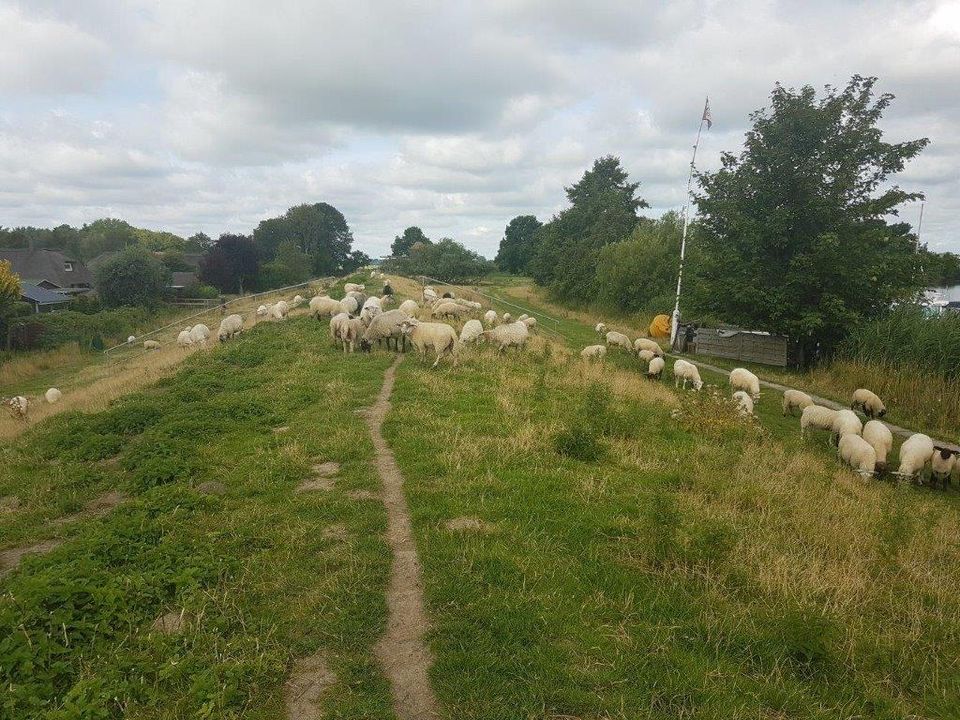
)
(49, 269)
(41, 299)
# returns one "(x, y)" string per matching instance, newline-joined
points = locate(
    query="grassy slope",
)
(259, 565)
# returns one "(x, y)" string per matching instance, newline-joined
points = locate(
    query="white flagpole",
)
(675, 323)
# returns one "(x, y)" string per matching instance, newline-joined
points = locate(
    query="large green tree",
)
(132, 277)
(319, 230)
(232, 265)
(517, 245)
(445, 260)
(603, 210)
(411, 236)
(796, 238)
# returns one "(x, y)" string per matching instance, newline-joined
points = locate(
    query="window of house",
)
(68, 267)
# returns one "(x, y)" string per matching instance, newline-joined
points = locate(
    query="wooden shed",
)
(746, 345)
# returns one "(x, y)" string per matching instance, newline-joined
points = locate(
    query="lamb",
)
(449, 310)
(131, 339)
(353, 287)
(17, 405)
(324, 306)
(385, 326)
(53, 395)
(795, 399)
(438, 337)
(601, 329)
(231, 325)
(410, 307)
(914, 454)
(881, 440)
(508, 335)
(683, 370)
(349, 305)
(647, 344)
(858, 454)
(743, 379)
(744, 402)
(489, 318)
(846, 423)
(530, 322)
(263, 311)
(184, 339)
(655, 368)
(200, 334)
(297, 300)
(818, 417)
(350, 333)
(871, 405)
(151, 345)
(594, 352)
(619, 339)
(472, 330)
(941, 465)
(646, 355)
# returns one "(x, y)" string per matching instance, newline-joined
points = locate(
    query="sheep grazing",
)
(151, 345)
(297, 301)
(507, 318)
(490, 318)
(641, 344)
(743, 379)
(263, 311)
(530, 322)
(53, 395)
(846, 423)
(199, 334)
(349, 305)
(279, 310)
(817, 417)
(18, 406)
(941, 466)
(744, 402)
(688, 372)
(231, 325)
(429, 294)
(385, 326)
(858, 454)
(350, 333)
(472, 330)
(522, 317)
(131, 339)
(353, 287)
(646, 355)
(371, 308)
(795, 399)
(619, 339)
(594, 352)
(335, 323)
(410, 307)
(600, 329)
(184, 339)
(881, 440)
(449, 310)
(438, 337)
(866, 401)
(324, 306)
(914, 454)
(513, 334)
(655, 368)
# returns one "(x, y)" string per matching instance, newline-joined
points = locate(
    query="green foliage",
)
(319, 231)
(403, 243)
(9, 291)
(133, 277)
(940, 269)
(232, 264)
(794, 237)
(446, 260)
(907, 338)
(85, 328)
(518, 244)
(290, 266)
(579, 441)
(603, 211)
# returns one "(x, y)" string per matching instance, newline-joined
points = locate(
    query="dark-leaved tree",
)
(517, 245)
(795, 238)
(231, 265)
(411, 236)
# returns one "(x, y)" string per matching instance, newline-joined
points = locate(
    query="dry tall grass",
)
(24, 368)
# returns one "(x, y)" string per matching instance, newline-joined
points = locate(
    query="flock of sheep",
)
(862, 446)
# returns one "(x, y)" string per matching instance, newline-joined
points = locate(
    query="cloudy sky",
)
(211, 115)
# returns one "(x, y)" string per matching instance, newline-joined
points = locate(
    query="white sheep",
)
(858, 454)
(619, 339)
(410, 307)
(818, 417)
(263, 311)
(151, 345)
(449, 310)
(513, 334)
(522, 317)
(846, 423)
(438, 337)
(278, 311)
(914, 454)
(641, 344)
(744, 402)
(687, 371)
(743, 379)
(941, 465)
(349, 305)
(350, 333)
(881, 440)
(231, 325)
(385, 326)
(530, 322)
(490, 318)
(18, 406)
(199, 334)
(184, 339)
(594, 352)
(335, 323)
(472, 329)
(601, 329)
(353, 287)
(371, 308)
(324, 306)
(53, 395)
(655, 368)
(131, 339)
(429, 294)
(297, 300)
(507, 318)
(646, 355)
(795, 399)
(871, 405)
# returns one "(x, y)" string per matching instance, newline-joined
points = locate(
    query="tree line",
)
(797, 234)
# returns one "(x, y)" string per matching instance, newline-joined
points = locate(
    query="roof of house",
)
(96, 262)
(183, 279)
(33, 266)
(41, 296)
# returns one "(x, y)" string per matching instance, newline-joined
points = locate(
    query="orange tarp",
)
(660, 327)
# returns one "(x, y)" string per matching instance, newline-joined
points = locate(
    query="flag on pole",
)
(707, 117)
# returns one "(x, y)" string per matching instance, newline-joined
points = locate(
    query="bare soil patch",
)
(304, 689)
(11, 557)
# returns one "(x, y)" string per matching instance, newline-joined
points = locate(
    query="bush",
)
(52, 330)
(579, 441)
(446, 260)
(132, 277)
